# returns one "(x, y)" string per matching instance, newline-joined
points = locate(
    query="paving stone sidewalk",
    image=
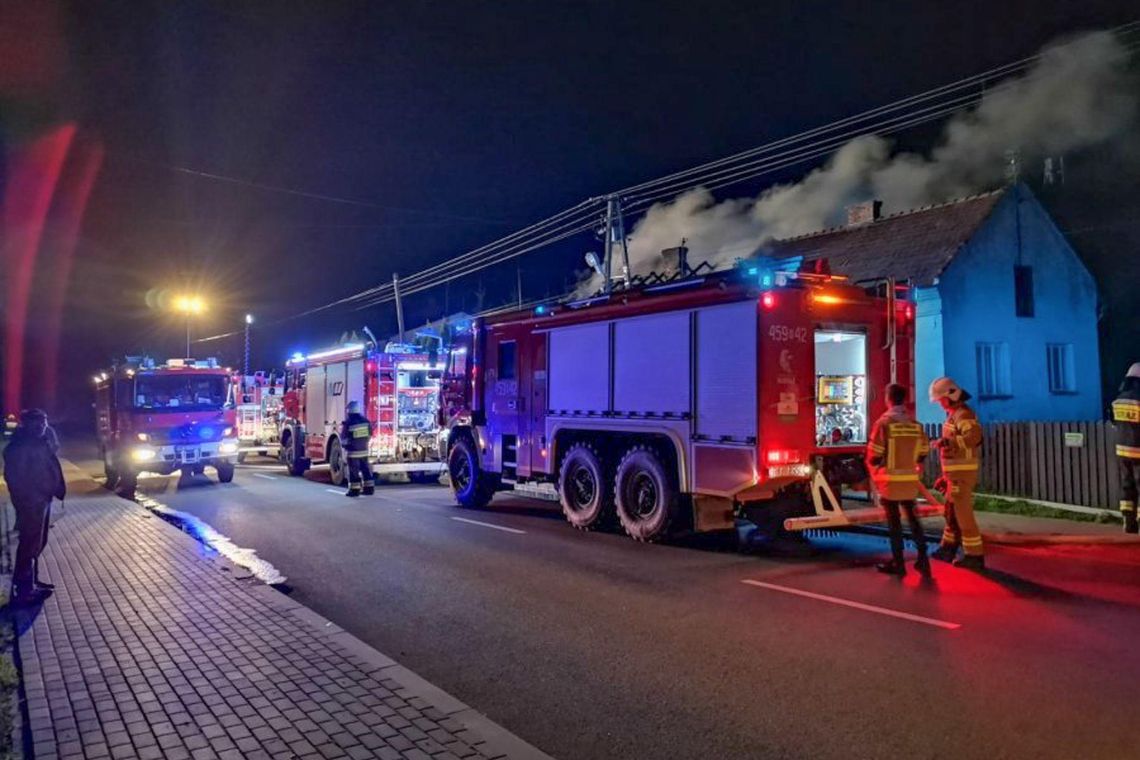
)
(153, 647)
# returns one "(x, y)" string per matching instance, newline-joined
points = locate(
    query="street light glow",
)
(249, 319)
(189, 304)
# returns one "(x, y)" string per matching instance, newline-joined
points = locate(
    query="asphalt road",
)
(594, 646)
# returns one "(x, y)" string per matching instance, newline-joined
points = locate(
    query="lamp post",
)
(248, 324)
(190, 306)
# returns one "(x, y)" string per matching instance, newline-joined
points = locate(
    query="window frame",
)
(1065, 370)
(998, 385)
(1024, 303)
(514, 354)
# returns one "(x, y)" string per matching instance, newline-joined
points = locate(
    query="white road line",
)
(335, 490)
(489, 525)
(856, 605)
(263, 476)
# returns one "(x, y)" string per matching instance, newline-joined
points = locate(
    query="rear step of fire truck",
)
(829, 512)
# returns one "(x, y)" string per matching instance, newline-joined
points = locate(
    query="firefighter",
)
(1126, 420)
(357, 433)
(896, 448)
(961, 449)
(34, 478)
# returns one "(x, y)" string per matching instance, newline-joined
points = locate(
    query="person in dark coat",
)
(34, 477)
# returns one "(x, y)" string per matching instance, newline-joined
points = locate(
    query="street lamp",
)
(248, 324)
(190, 306)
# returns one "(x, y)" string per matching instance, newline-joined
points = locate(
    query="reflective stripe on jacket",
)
(896, 448)
(356, 434)
(962, 437)
(1126, 420)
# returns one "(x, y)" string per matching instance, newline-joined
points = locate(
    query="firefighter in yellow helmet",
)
(961, 450)
(1126, 420)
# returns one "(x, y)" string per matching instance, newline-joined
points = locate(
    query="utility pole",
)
(615, 233)
(518, 281)
(245, 365)
(399, 306)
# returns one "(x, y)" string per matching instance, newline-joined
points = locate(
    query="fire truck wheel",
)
(645, 494)
(128, 481)
(291, 456)
(111, 473)
(472, 487)
(241, 458)
(225, 472)
(585, 491)
(338, 465)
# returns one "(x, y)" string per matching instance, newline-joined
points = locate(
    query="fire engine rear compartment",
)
(841, 387)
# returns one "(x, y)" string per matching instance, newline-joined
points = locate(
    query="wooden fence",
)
(1066, 462)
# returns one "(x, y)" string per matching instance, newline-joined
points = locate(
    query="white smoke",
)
(1079, 94)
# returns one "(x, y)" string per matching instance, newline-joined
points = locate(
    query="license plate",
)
(187, 455)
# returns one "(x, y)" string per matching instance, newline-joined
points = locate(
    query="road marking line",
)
(263, 476)
(488, 525)
(856, 605)
(335, 490)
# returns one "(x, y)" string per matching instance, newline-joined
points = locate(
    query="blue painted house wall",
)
(974, 301)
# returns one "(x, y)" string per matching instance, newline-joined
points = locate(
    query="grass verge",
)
(1030, 509)
(9, 682)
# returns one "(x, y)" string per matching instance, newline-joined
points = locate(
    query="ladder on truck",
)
(829, 511)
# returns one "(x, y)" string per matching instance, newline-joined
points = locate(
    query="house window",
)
(1023, 290)
(507, 360)
(1062, 369)
(993, 370)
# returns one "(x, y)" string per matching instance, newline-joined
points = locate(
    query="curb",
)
(1029, 539)
(487, 737)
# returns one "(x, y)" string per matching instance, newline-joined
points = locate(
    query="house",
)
(1003, 303)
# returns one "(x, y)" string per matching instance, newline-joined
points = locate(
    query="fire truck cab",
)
(398, 390)
(690, 402)
(163, 418)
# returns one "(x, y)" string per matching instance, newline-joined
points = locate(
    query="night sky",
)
(451, 123)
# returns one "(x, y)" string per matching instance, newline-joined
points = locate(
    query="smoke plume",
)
(1078, 94)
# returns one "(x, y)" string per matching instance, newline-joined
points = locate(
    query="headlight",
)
(228, 447)
(143, 454)
(143, 437)
(227, 432)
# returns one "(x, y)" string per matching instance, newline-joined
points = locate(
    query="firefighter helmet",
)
(353, 407)
(945, 387)
(1134, 370)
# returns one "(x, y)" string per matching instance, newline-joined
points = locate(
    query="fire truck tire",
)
(645, 494)
(225, 472)
(291, 456)
(128, 481)
(473, 488)
(584, 488)
(338, 463)
(110, 471)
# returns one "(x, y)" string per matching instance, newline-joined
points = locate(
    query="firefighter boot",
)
(1130, 523)
(892, 568)
(353, 491)
(971, 562)
(922, 565)
(945, 553)
(369, 488)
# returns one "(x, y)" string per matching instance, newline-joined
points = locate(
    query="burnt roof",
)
(915, 245)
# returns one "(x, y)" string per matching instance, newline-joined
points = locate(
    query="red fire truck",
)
(257, 402)
(164, 417)
(398, 390)
(689, 402)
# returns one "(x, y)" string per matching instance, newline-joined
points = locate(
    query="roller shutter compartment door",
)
(726, 372)
(651, 365)
(580, 369)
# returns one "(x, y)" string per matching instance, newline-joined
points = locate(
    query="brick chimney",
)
(863, 213)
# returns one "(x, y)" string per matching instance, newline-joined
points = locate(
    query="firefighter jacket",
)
(356, 434)
(32, 470)
(896, 448)
(1126, 420)
(961, 443)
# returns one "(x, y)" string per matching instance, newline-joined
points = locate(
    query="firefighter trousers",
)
(1129, 474)
(360, 476)
(961, 525)
(32, 522)
(894, 521)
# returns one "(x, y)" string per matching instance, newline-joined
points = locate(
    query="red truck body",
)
(164, 418)
(696, 401)
(397, 389)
